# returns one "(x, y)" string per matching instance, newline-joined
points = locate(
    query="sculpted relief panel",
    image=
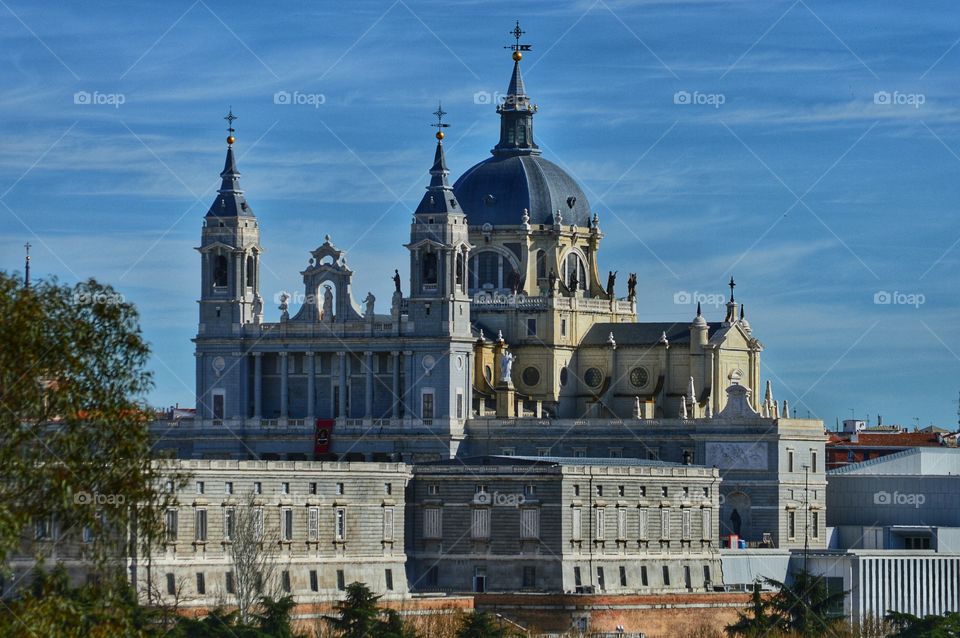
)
(737, 456)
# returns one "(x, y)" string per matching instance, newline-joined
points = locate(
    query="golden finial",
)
(440, 124)
(230, 118)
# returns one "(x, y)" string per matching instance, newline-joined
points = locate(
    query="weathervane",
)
(440, 125)
(517, 47)
(230, 118)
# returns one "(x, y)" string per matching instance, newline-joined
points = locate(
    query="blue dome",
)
(497, 190)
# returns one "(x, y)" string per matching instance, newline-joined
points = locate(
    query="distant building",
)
(502, 524)
(856, 444)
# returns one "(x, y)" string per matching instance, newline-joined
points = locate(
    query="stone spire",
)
(516, 112)
(439, 198)
(230, 201)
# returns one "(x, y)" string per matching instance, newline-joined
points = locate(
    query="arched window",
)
(460, 274)
(488, 270)
(541, 264)
(430, 274)
(220, 271)
(521, 134)
(250, 272)
(574, 272)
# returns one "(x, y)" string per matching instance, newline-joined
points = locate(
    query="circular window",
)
(488, 374)
(564, 375)
(460, 362)
(593, 377)
(639, 377)
(531, 376)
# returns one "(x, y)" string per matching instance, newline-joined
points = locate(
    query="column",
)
(258, 385)
(203, 411)
(311, 384)
(368, 390)
(395, 403)
(284, 374)
(342, 361)
(412, 410)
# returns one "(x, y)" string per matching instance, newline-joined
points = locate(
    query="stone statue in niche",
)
(326, 315)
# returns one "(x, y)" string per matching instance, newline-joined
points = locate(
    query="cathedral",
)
(507, 339)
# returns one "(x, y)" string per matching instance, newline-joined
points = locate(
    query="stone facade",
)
(330, 523)
(564, 525)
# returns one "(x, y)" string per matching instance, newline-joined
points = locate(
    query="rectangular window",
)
(229, 523)
(172, 525)
(313, 524)
(218, 410)
(388, 579)
(815, 524)
(616, 452)
(340, 489)
(621, 490)
(529, 490)
(258, 522)
(388, 523)
(432, 523)
(426, 406)
(258, 487)
(706, 576)
(508, 451)
(577, 579)
(643, 576)
(200, 487)
(433, 490)
(579, 452)
(341, 524)
(285, 581)
(87, 535)
(666, 576)
(341, 581)
(623, 576)
(201, 583)
(576, 523)
(600, 526)
(791, 524)
(789, 460)
(687, 580)
(171, 584)
(665, 523)
(685, 524)
(530, 523)
(601, 582)
(459, 403)
(314, 581)
(313, 487)
(529, 577)
(543, 451)
(644, 523)
(563, 327)
(228, 487)
(284, 488)
(531, 327)
(286, 524)
(599, 489)
(200, 526)
(481, 523)
(707, 524)
(813, 461)
(621, 523)
(229, 583)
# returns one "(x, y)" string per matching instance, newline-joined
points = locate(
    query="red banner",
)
(322, 436)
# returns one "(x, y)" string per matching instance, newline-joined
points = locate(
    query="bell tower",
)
(230, 255)
(439, 303)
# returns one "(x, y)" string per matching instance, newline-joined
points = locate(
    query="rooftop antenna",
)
(26, 266)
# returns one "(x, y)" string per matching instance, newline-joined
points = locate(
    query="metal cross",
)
(230, 118)
(516, 33)
(440, 113)
(732, 286)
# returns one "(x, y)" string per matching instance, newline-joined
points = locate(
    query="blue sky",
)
(809, 148)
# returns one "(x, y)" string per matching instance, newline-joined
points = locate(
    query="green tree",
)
(757, 621)
(74, 441)
(910, 626)
(479, 624)
(392, 626)
(358, 613)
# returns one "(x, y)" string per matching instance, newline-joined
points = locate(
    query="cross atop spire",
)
(440, 125)
(732, 285)
(230, 117)
(517, 47)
